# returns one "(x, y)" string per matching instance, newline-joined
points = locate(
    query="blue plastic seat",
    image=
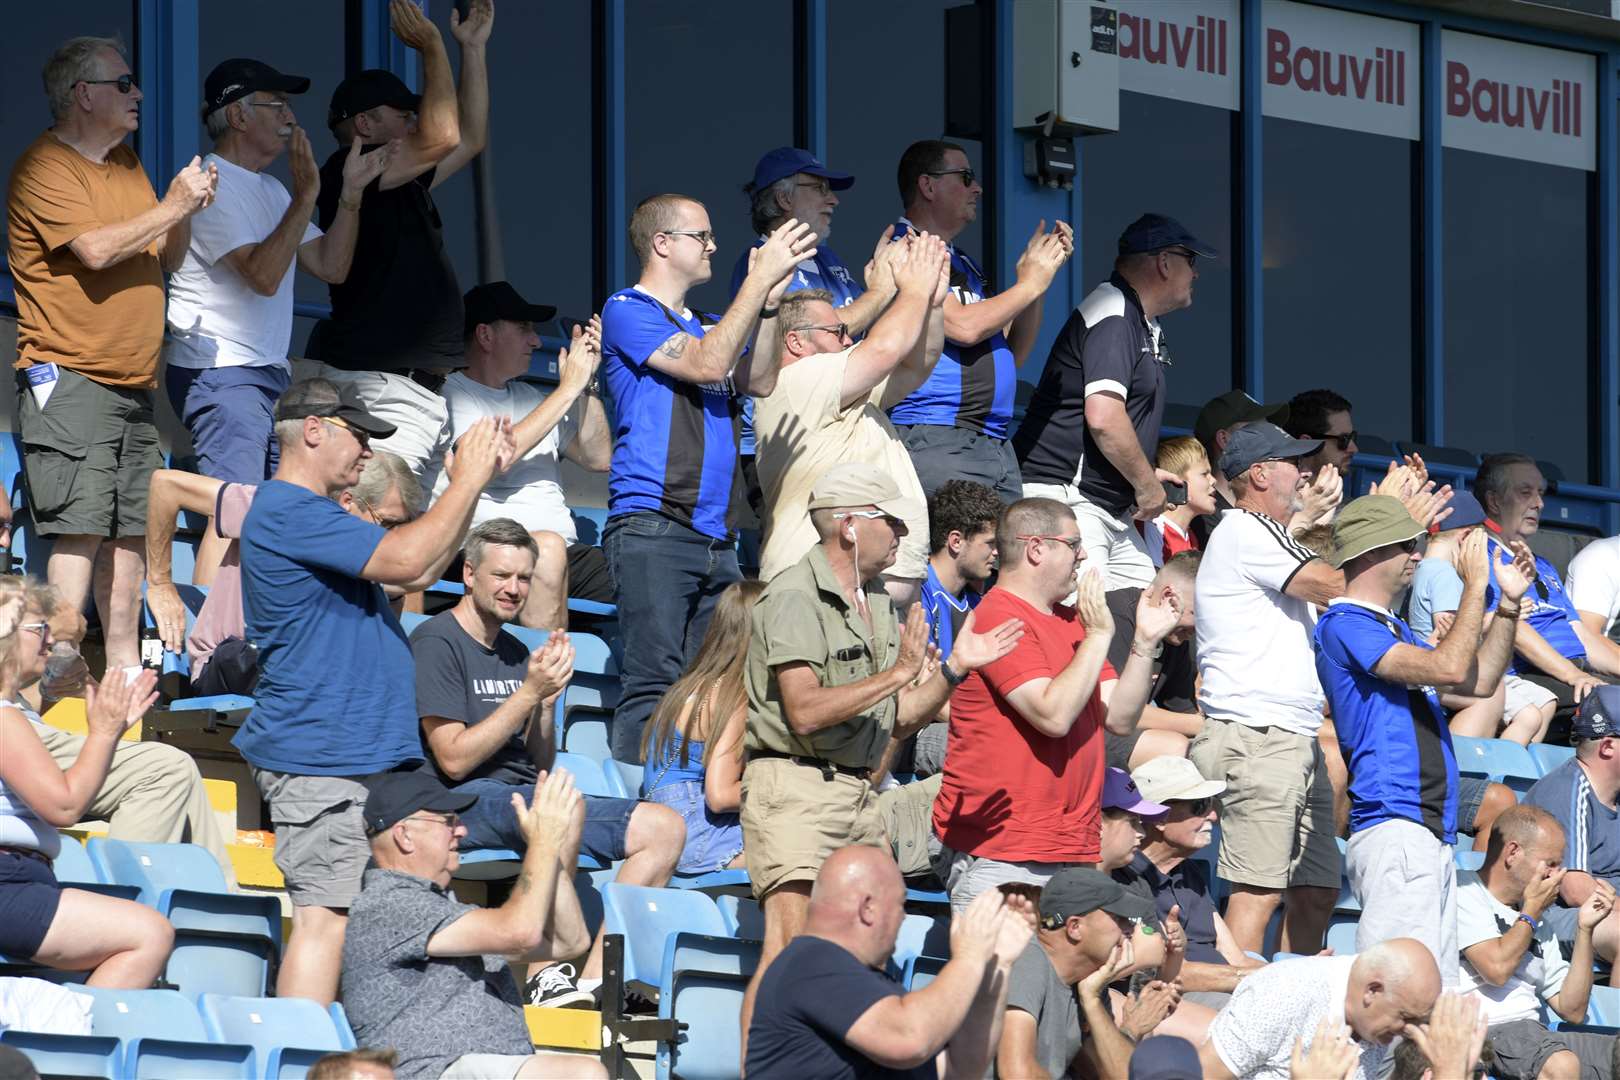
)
(920, 971)
(584, 730)
(647, 917)
(1603, 1007)
(1498, 760)
(630, 776)
(591, 777)
(742, 916)
(1468, 859)
(204, 962)
(709, 1005)
(164, 1036)
(410, 620)
(69, 1055)
(921, 935)
(185, 883)
(1341, 934)
(73, 868)
(1548, 758)
(734, 881)
(706, 952)
(589, 522)
(288, 1034)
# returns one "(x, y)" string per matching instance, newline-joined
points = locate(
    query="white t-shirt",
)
(215, 318)
(1540, 974)
(1254, 1034)
(1255, 656)
(530, 492)
(1593, 579)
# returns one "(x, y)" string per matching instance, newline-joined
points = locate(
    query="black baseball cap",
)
(495, 300)
(237, 78)
(1259, 442)
(327, 399)
(1235, 407)
(367, 90)
(1080, 890)
(1155, 232)
(395, 796)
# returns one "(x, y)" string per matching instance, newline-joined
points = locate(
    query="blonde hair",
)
(1180, 454)
(35, 596)
(714, 682)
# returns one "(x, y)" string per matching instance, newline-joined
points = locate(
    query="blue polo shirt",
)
(824, 271)
(1395, 739)
(946, 613)
(335, 695)
(1546, 607)
(674, 442)
(972, 386)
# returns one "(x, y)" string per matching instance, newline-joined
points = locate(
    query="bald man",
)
(1376, 994)
(826, 1008)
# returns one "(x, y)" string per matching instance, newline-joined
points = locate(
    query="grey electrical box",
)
(1066, 79)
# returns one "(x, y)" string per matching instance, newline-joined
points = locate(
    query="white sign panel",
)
(1182, 49)
(1519, 101)
(1340, 69)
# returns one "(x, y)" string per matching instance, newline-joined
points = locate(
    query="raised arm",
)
(576, 367)
(329, 256)
(1495, 959)
(1026, 327)
(438, 130)
(1128, 695)
(969, 324)
(894, 337)
(472, 34)
(864, 310)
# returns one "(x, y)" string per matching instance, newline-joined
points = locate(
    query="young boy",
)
(1171, 532)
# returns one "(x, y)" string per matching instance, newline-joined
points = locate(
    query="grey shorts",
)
(966, 876)
(1519, 1048)
(942, 453)
(88, 456)
(1406, 881)
(321, 846)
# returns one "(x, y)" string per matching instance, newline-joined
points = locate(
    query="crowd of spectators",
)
(1121, 695)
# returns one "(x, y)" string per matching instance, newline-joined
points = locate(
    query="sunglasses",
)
(1194, 807)
(702, 236)
(841, 329)
(125, 83)
(360, 436)
(1190, 256)
(1072, 542)
(1341, 441)
(451, 821)
(871, 515)
(968, 175)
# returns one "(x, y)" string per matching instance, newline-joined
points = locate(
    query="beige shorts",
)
(1522, 694)
(908, 818)
(794, 816)
(1277, 811)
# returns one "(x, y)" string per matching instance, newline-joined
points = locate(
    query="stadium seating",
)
(1498, 760)
(73, 867)
(708, 1006)
(589, 699)
(647, 917)
(1341, 934)
(69, 1055)
(921, 935)
(593, 777)
(742, 916)
(1548, 758)
(164, 1036)
(920, 971)
(288, 1034)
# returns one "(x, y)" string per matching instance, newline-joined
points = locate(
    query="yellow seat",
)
(564, 1029)
(69, 715)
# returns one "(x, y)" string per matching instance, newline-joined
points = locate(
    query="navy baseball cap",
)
(234, 79)
(394, 796)
(1259, 442)
(1466, 512)
(367, 90)
(1598, 716)
(1155, 232)
(785, 161)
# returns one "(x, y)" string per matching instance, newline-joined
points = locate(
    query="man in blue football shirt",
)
(677, 378)
(956, 423)
(1381, 683)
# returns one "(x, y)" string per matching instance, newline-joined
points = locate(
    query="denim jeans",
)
(492, 825)
(666, 579)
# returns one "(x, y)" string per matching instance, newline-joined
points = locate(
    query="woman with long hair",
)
(693, 745)
(122, 944)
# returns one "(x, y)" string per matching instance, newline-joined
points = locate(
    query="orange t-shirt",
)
(104, 324)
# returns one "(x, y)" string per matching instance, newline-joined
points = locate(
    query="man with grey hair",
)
(231, 302)
(88, 242)
(396, 325)
(333, 703)
(223, 661)
(488, 710)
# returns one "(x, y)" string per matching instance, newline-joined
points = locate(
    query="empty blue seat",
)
(1548, 758)
(709, 1006)
(584, 730)
(921, 935)
(69, 1055)
(164, 1059)
(920, 971)
(629, 776)
(1341, 934)
(410, 620)
(211, 962)
(591, 777)
(646, 917)
(184, 882)
(288, 1034)
(1498, 760)
(742, 916)
(164, 1036)
(1603, 1007)
(73, 868)
(706, 952)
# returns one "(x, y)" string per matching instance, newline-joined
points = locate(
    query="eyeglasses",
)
(968, 175)
(702, 236)
(820, 187)
(1073, 542)
(871, 515)
(359, 436)
(34, 627)
(1194, 807)
(1341, 441)
(277, 105)
(841, 329)
(1190, 256)
(450, 821)
(371, 512)
(125, 83)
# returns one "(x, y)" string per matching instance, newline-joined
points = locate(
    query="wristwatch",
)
(952, 679)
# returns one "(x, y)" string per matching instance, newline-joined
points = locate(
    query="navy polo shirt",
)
(972, 386)
(1546, 607)
(674, 442)
(1395, 738)
(1186, 885)
(823, 271)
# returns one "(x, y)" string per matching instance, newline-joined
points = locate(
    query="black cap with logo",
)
(327, 399)
(237, 78)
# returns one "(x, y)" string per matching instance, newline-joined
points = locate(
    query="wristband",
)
(1508, 612)
(1158, 651)
(344, 204)
(1533, 924)
(952, 679)
(768, 312)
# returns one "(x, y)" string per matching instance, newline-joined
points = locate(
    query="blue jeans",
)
(712, 840)
(229, 414)
(492, 826)
(666, 579)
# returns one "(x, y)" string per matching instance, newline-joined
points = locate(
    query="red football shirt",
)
(1010, 792)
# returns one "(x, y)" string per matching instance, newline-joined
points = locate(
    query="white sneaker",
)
(554, 987)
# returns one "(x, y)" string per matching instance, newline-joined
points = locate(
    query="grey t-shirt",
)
(458, 679)
(1034, 987)
(430, 1010)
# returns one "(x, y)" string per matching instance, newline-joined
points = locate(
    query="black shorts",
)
(29, 897)
(1117, 749)
(588, 574)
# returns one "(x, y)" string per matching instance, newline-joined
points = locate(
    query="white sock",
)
(587, 984)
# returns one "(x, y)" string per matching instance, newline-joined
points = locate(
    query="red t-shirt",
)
(1010, 792)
